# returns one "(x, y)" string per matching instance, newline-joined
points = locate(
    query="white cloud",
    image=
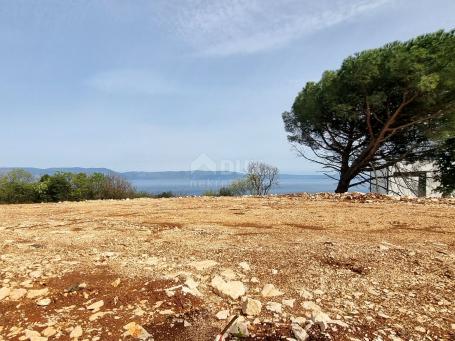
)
(227, 27)
(131, 82)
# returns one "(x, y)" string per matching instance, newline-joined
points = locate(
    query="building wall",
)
(406, 179)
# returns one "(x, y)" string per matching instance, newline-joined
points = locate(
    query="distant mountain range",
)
(163, 175)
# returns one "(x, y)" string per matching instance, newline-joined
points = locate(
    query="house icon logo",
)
(203, 163)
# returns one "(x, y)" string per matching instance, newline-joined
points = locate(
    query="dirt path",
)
(344, 268)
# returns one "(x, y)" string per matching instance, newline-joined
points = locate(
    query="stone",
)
(137, 331)
(299, 333)
(274, 272)
(97, 315)
(38, 338)
(4, 293)
(116, 283)
(167, 312)
(29, 334)
(203, 265)
(420, 329)
(222, 314)
(37, 293)
(49, 331)
(239, 328)
(321, 319)
(35, 274)
(251, 307)
(191, 283)
(76, 332)
(254, 280)
(300, 320)
(17, 294)
(96, 306)
(190, 287)
(274, 307)
(269, 290)
(44, 302)
(289, 303)
(245, 266)
(305, 294)
(230, 289)
(310, 305)
(229, 274)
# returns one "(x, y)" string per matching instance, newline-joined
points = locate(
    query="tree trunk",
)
(343, 184)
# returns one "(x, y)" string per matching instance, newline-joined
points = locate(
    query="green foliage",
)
(210, 193)
(19, 186)
(167, 194)
(382, 106)
(445, 159)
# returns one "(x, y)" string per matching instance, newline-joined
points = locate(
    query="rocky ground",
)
(319, 267)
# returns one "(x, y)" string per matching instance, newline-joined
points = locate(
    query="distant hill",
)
(163, 175)
(41, 171)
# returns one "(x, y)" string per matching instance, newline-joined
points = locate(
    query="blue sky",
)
(151, 85)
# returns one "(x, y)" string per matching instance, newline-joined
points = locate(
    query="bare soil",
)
(382, 266)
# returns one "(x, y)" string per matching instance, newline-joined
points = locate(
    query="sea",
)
(286, 185)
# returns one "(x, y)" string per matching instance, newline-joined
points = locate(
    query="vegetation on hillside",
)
(19, 186)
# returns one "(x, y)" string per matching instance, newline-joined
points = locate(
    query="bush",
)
(19, 186)
(168, 194)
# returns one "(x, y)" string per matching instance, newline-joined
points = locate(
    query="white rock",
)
(245, 266)
(274, 307)
(269, 290)
(167, 312)
(29, 334)
(76, 332)
(239, 327)
(321, 319)
(99, 314)
(289, 303)
(254, 280)
(274, 271)
(49, 331)
(251, 307)
(17, 294)
(96, 306)
(44, 302)
(300, 320)
(310, 305)
(116, 283)
(299, 333)
(229, 274)
(231, 289)
(137, 331)
(191, 283)
(37, 293)
(305, 294)
(203, 265)
(222, 314)
(4, 292)
(35, 274)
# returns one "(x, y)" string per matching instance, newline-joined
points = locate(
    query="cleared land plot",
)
(379, 266)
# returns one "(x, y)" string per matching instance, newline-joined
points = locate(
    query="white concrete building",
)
(407, 179)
